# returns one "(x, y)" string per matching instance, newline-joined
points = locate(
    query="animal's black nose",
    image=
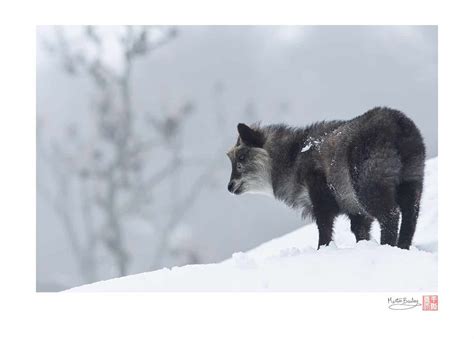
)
(230, 187)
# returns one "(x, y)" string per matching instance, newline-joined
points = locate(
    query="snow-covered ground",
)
(291, 263)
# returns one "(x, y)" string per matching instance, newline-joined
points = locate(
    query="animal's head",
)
(251, 166)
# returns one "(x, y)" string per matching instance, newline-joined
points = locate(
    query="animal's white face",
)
(251, 172)
(251, 166)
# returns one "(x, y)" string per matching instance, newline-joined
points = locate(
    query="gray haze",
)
(295, 75)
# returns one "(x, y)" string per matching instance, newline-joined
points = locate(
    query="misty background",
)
(133, 124)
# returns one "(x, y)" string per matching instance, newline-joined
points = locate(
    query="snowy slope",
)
(291, 263)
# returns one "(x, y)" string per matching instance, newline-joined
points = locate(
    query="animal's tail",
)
(411, 149)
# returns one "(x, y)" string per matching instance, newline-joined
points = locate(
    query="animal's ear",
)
(250, 137)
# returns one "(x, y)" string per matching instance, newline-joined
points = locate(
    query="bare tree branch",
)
(118, 185)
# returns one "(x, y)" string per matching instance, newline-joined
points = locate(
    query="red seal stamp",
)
(430, 303)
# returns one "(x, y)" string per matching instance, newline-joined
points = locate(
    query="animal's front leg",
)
(325, 223)
(325, 208)
(360, 226)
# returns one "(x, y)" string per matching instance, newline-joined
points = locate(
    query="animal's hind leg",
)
(408, 198)
(389, 226)
(360, 226)
(380, 202)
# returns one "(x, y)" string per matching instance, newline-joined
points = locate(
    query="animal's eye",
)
(242, 157)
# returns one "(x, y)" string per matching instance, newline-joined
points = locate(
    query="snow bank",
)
(291, 263)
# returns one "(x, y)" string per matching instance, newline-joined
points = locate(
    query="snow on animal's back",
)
(291, 263)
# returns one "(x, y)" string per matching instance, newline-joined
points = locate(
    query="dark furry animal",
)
(370, 167)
